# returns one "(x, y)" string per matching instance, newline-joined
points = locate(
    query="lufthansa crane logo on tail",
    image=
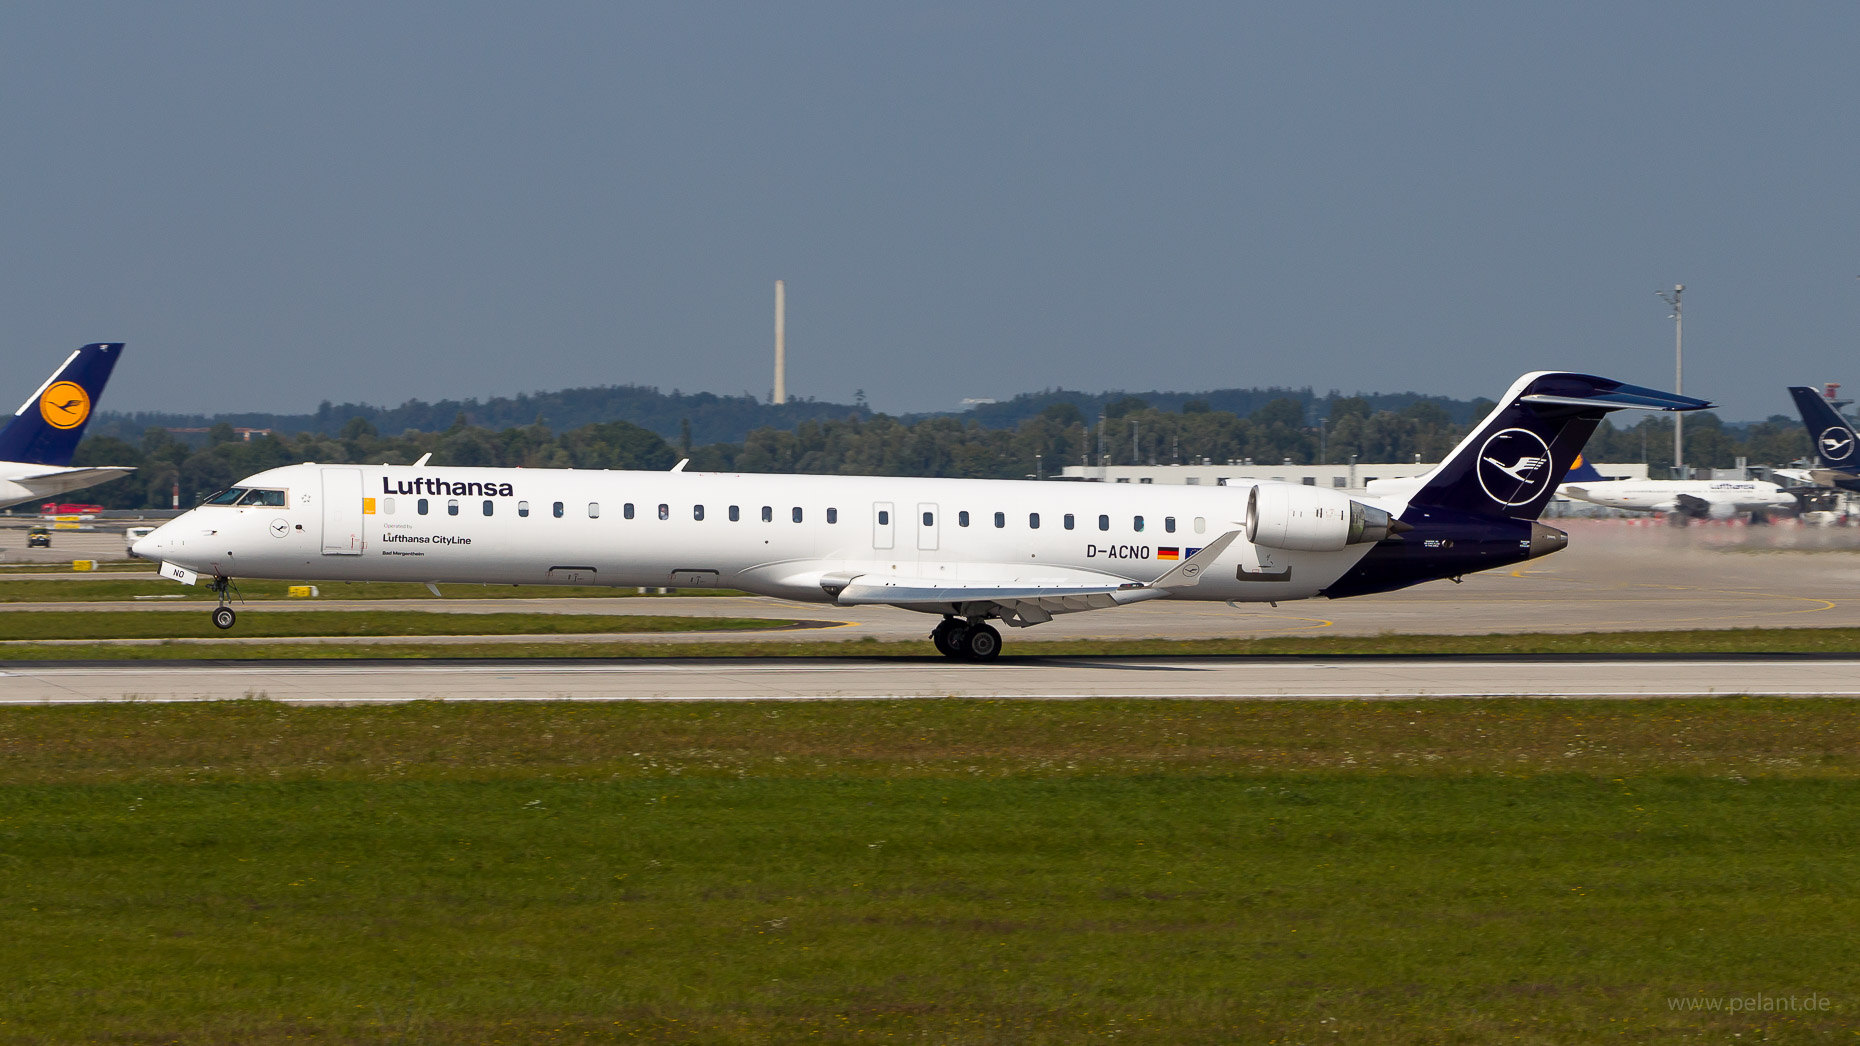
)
(1514, 466)
(64, 405)
(1837, 442)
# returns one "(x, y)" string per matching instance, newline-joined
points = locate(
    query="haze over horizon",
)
(277, 206)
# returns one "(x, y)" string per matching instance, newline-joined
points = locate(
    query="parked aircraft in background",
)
(36, 446)
(1836, 451)
(1683, 499)
(969, 551)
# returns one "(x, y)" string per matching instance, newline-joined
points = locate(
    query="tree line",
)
(1128, 430)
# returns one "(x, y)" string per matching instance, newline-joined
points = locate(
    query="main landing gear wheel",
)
(948, 636)
(223, 617)
(981, 643)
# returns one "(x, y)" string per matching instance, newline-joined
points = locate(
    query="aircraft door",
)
(927, 524)
(342, 512)
(882, 524)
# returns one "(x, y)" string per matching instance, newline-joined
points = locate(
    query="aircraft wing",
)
(1019, 603)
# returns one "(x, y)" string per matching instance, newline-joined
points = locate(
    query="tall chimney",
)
(781, 348)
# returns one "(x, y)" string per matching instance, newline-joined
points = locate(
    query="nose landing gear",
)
(966, 641)
(223, 616)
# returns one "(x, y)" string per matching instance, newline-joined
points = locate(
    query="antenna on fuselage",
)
(424, 458)
(682, 462)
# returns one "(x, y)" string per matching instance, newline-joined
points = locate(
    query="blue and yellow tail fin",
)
(46, 428)
(1583, 472)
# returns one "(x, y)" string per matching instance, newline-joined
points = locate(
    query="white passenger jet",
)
(969, 551)
(36, 445)
(1682, 499)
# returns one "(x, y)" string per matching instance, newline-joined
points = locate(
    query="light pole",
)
(1679, 373)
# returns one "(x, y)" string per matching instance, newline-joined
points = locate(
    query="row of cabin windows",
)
(424, 507)
(1070, 521)
(1033, 521)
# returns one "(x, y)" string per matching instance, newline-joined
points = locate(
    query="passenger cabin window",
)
(488, 506)
(833, 515)
(594, 510)
(929, 519)
(1104, 522)
(1169, 524)
(422, 506)
(387, 506)
(884, 518)
(523, 508)
(962, 518)
(768, 514)
(1136, 524)
(1033, 520)
(1000, 520)
(1201, 524)
(1070, 521)
(797, 513)
(452, 507)
(736, 513)
(626, 510)
(665, 511)
(697, 512)
(557, 509)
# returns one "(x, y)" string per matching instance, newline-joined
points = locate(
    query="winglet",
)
(1187, 573)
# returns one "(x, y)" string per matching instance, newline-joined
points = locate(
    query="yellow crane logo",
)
(65, 405)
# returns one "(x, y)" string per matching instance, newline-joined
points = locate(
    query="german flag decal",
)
(1165, 552)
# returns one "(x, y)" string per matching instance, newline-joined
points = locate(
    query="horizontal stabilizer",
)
(59, 481)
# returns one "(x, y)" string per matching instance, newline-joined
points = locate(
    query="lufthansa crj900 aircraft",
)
(971, 551)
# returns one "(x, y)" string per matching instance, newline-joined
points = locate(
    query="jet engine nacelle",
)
(1311, 519)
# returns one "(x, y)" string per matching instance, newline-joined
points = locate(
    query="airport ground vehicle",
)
(39, 537)
(968, 551)
(133, 535)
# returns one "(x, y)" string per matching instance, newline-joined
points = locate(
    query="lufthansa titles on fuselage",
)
(446, 488)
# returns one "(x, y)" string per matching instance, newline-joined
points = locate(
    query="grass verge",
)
(955, 872)
(797, 644)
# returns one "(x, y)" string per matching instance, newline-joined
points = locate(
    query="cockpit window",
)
(225, 497)
(263, 498)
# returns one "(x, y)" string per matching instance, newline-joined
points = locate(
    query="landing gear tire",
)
(981, 643)
(223, 617)
(948, 637)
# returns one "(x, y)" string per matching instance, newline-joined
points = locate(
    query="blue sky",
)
(280, 204)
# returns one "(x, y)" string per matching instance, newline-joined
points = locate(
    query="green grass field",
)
(947, 872)
(53, 590)
(135, 624)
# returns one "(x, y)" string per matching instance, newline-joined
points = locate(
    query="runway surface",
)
(724, 679)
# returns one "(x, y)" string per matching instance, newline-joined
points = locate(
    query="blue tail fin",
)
(46, 428)
(1583, 472)
(1832, 436)
(1512, 462)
